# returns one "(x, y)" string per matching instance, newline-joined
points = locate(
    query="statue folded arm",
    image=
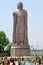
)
(14, 26)
(25, 18)
(25, 29)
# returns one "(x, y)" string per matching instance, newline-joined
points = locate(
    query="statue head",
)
(20, 5)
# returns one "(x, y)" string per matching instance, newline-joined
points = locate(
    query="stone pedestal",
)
(20, 50)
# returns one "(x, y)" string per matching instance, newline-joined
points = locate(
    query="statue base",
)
(20, 50)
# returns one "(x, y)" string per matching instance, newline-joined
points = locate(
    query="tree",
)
(3, 40)
(8, 48)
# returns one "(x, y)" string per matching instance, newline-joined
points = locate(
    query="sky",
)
(35, 20)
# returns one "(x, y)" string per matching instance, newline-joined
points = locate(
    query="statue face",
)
(20, 6)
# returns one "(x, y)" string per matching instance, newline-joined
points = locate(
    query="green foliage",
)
(9, 48)
(3, 40)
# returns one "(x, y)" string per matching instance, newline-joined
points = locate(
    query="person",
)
(16, 62)
(39, 61)
(8, 62)
(36, 63)
(13, 63)
(22, 62)
(19, 63)
(5, 60)
(2, 63)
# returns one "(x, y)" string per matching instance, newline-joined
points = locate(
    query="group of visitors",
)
(12, 61)
(39, 62)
